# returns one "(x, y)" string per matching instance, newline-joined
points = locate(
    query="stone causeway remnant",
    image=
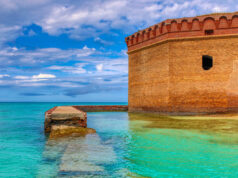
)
(185, 65)
(72, 120)
(65, 120)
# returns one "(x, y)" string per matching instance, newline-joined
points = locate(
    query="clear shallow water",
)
(133, 145)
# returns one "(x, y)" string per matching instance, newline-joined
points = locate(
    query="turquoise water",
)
(126, 145)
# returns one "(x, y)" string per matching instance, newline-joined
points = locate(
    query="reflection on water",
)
(147, 145)
(212, 123)
(204, 146)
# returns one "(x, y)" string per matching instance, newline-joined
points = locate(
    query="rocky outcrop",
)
(65, 121)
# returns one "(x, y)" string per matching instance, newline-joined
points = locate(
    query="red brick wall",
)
(168, 76)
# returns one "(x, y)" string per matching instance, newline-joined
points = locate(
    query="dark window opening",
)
(207, 62)
(209, 32)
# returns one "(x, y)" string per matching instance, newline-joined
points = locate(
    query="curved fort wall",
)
(166, 71)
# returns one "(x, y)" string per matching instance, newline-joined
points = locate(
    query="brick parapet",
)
(218, 25)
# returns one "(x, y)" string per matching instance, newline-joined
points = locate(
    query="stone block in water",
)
(65, 121)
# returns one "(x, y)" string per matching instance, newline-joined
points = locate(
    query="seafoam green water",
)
(126, 145)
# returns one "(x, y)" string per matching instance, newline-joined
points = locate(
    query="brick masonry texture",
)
(165, 66)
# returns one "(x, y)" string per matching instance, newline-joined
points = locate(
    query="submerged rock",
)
(87, 157)
(65, 130)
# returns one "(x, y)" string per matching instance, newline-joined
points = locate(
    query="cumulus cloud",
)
(35, 80)
(82, 19)
(124, 14)
(43, 76)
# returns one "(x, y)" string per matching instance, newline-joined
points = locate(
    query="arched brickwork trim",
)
(195, 24)
(209, 24)
(164, 28)
(234, 22)
(184, 25)
(215, 24)
(174, 26)
(223, 22)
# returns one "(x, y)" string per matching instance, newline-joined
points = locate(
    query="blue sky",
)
(74, 50)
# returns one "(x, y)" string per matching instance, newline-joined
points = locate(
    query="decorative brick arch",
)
(209, 24)
(164, 28)
(149, 30)
(184, 25)
(142, 35)
(234, 22)
(223, 23)
(135, 41)
(145, 35)
(132, 39)
(174, 26)
(195, 24)
(157, 30)
(152, 32)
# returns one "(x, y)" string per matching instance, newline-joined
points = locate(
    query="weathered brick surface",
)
(149, 78)
(167, 75)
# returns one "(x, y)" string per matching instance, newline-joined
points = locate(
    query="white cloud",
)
(104, 42)
(8, 33)
(20, 77)
(35, 80)
(23, 57)
(104, 67)
(78, 69)
(99, 67)
(82, 19)
(4, 75)
(43, 76)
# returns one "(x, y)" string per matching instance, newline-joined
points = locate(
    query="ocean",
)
(125, 145)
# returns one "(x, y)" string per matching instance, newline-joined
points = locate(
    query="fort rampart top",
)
(205, 25)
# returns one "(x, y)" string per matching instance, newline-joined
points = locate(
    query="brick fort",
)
(187, 65)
